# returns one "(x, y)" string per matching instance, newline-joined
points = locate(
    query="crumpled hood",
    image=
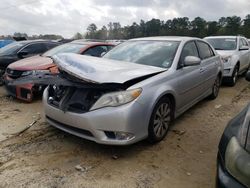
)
(102, 70)
(33, 63)
(225, 53)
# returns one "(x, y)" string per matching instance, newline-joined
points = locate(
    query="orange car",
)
(44, 63)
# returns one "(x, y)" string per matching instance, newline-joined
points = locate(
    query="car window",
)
(96, 51)
(204, 50)
(243, 42)
(145, 52)
(36, 48)
(223, 43)
(189, 49)
(51, 45)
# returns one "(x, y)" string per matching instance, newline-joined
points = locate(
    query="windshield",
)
(65, 48)
(11, 48)
(153, 53)
(223, 43)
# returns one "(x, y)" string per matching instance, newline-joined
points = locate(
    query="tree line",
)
(183, 26)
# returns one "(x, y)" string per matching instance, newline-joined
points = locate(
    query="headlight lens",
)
(26, 73)
(226, 59)
(117, 98)
(238, 162)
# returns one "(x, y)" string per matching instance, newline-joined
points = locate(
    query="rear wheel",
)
(216, 88)
(160, 120)
(234, 78)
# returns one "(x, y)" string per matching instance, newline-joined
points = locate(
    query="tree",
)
(77, 36)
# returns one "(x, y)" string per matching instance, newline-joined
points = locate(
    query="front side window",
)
(189, 49)
(153, 53)
(204, 50)
(36, 48)
(223, 43)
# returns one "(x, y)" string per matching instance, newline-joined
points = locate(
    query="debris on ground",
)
(217, 106)
(178, 132)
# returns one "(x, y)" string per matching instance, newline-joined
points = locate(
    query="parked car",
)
(19, 50)
(235, 53)
(134, 92)
(233, 161)
(44, 63)
(5, 42)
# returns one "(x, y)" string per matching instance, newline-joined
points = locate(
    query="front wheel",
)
(160, 120)
(216, 88)
(234, 78)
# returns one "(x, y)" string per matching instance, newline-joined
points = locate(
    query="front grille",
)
(14, 73)
(24, 93)
(73, 99)
(70, 128)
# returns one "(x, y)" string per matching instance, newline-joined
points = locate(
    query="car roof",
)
(34, 41)
(90, 43)
(228, 36)
(167, 38)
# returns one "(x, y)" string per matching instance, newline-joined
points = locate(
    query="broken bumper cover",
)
(102, 125)
(22, 92)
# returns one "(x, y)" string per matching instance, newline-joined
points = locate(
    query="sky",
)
(66, 17)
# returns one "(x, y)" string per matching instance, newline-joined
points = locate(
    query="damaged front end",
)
(88, 83)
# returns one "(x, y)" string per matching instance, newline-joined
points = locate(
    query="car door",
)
(34, 49)
(244, 54)
(189, 78)
(209, 64)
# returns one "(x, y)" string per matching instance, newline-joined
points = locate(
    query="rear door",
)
(189, 78)
(35, 49)
(209, 65)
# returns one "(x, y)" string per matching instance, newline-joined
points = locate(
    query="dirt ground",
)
(43, 156)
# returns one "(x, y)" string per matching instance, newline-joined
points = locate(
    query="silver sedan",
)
(134, 92)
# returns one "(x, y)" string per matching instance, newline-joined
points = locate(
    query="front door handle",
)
(202, 70)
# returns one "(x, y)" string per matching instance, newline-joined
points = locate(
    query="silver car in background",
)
(235, 53)
(135, 91)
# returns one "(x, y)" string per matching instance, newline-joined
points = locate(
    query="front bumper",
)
(94, 125)
(23, 92)
(228, 70)
(224, 179)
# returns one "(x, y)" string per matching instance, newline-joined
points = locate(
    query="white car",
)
(235, 52)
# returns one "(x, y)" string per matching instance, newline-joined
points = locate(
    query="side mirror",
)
(248, 76)
(22, 54)
(191, 61)
(244, 48)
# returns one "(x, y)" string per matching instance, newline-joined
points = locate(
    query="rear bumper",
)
(22, 92)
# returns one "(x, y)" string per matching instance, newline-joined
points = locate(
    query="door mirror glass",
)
(22, 54)
(191, 61)
(244, 48)
(248, 76)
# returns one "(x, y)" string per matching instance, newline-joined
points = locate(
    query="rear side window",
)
(243, 42)
(96, 51)
(36, 48)
(205, 50)
(189, 49)
(51, 45)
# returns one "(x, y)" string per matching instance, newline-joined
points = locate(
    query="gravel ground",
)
(43, 156)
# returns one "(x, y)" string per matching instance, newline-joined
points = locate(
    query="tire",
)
(232, 80)
(216, 88)
(160, 120)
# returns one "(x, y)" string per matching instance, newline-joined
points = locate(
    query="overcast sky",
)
(66, 17)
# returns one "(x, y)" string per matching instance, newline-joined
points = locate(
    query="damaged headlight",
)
(238, 162)
(34, 72)
(117, 98)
